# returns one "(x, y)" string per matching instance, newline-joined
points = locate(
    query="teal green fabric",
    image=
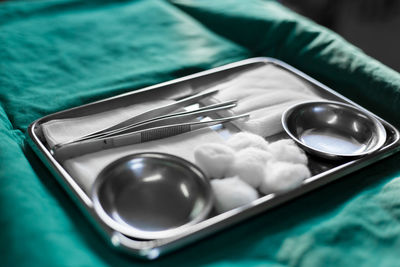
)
(59, 54)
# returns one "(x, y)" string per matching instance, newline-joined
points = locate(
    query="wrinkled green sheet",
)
(59, 54)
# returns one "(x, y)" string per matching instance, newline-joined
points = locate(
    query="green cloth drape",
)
(59, 54)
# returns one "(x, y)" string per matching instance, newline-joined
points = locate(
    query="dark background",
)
(372, 25)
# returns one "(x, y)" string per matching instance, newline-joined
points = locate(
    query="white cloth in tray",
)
(64, 130)
(265, 92)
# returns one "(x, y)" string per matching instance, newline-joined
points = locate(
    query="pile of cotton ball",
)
(248, 164)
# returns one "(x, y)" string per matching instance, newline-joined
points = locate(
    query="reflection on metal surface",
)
(152, 178)
(184, 190)
(332, 142)
(332, 120)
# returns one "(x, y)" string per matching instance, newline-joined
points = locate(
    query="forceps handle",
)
(92, 145)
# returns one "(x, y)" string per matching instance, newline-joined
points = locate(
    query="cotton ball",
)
(214, 159)
(283, 176)
(249, 165)
(230, 193)
(287, 150)
(244, 139)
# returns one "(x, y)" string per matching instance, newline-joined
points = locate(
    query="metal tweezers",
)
(153, 124)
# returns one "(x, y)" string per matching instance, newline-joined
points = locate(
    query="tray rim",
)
(151, 249)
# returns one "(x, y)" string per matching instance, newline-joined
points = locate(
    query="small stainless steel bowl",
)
(333, 130)
(151, 195)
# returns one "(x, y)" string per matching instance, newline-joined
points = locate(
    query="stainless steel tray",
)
(323, 171)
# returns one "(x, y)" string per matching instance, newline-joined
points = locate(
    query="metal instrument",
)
(151, 195)
(333, 130)
(91, 145)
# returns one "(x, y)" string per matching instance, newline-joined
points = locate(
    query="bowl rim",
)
(382, 135)
(149, 235)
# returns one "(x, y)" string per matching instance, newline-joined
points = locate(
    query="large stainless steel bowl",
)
(333, 130)
(151, 195)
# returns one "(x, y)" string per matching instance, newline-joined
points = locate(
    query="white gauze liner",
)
(64, 130)
(265, 92)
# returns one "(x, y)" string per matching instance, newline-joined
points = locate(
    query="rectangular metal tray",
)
(322, 171)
